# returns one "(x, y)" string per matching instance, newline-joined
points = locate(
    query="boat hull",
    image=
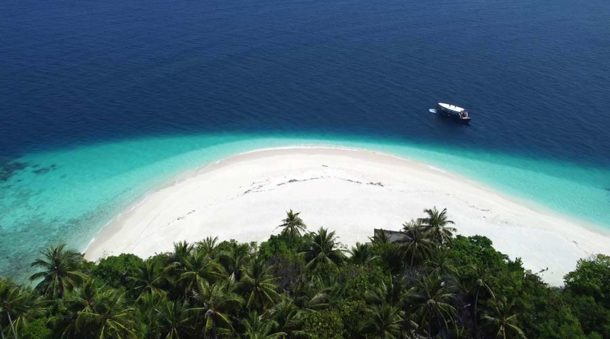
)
(452, 115)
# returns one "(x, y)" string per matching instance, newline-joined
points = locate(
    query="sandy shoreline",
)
(245, 196)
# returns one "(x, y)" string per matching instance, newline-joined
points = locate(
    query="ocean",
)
(102, 101)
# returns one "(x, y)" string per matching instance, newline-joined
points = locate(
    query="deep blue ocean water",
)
(102, 100)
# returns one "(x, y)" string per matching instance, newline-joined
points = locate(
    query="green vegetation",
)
(301, 284)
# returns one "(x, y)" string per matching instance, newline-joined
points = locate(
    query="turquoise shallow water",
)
(68, 195)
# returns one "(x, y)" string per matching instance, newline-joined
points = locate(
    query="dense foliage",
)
(300, 284)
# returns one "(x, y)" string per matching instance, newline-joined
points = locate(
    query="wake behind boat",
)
(451, 111)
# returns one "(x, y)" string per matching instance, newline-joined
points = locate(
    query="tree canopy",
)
(306, 284)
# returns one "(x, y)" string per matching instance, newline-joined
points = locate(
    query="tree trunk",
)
(10, 321)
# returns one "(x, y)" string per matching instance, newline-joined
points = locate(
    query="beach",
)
(350, 191)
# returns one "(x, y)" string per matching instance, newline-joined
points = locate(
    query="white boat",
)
(451, 111)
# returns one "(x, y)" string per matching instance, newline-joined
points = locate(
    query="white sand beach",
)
(246, 196)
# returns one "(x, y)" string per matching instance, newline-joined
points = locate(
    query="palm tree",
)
(17, 305)
(208, 246)
(107, 317)
(59, 271)
(255, 327)
(197, 267)
(501, 320)
(78, 300)
(384, 321)
(441, 264)
(432, 299)
(479, 287)
(293, 226)
(436, 224)
(362, 254)
(150, 306)
(416, 245)
(320, 300)
(323, 250)
(234, 259)
(320, 292)
(258, 286)
(182, 250)
(288, 317)
(175, 265)
(147, 279)
(174, 320)
(389, 292)
(215, 302)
